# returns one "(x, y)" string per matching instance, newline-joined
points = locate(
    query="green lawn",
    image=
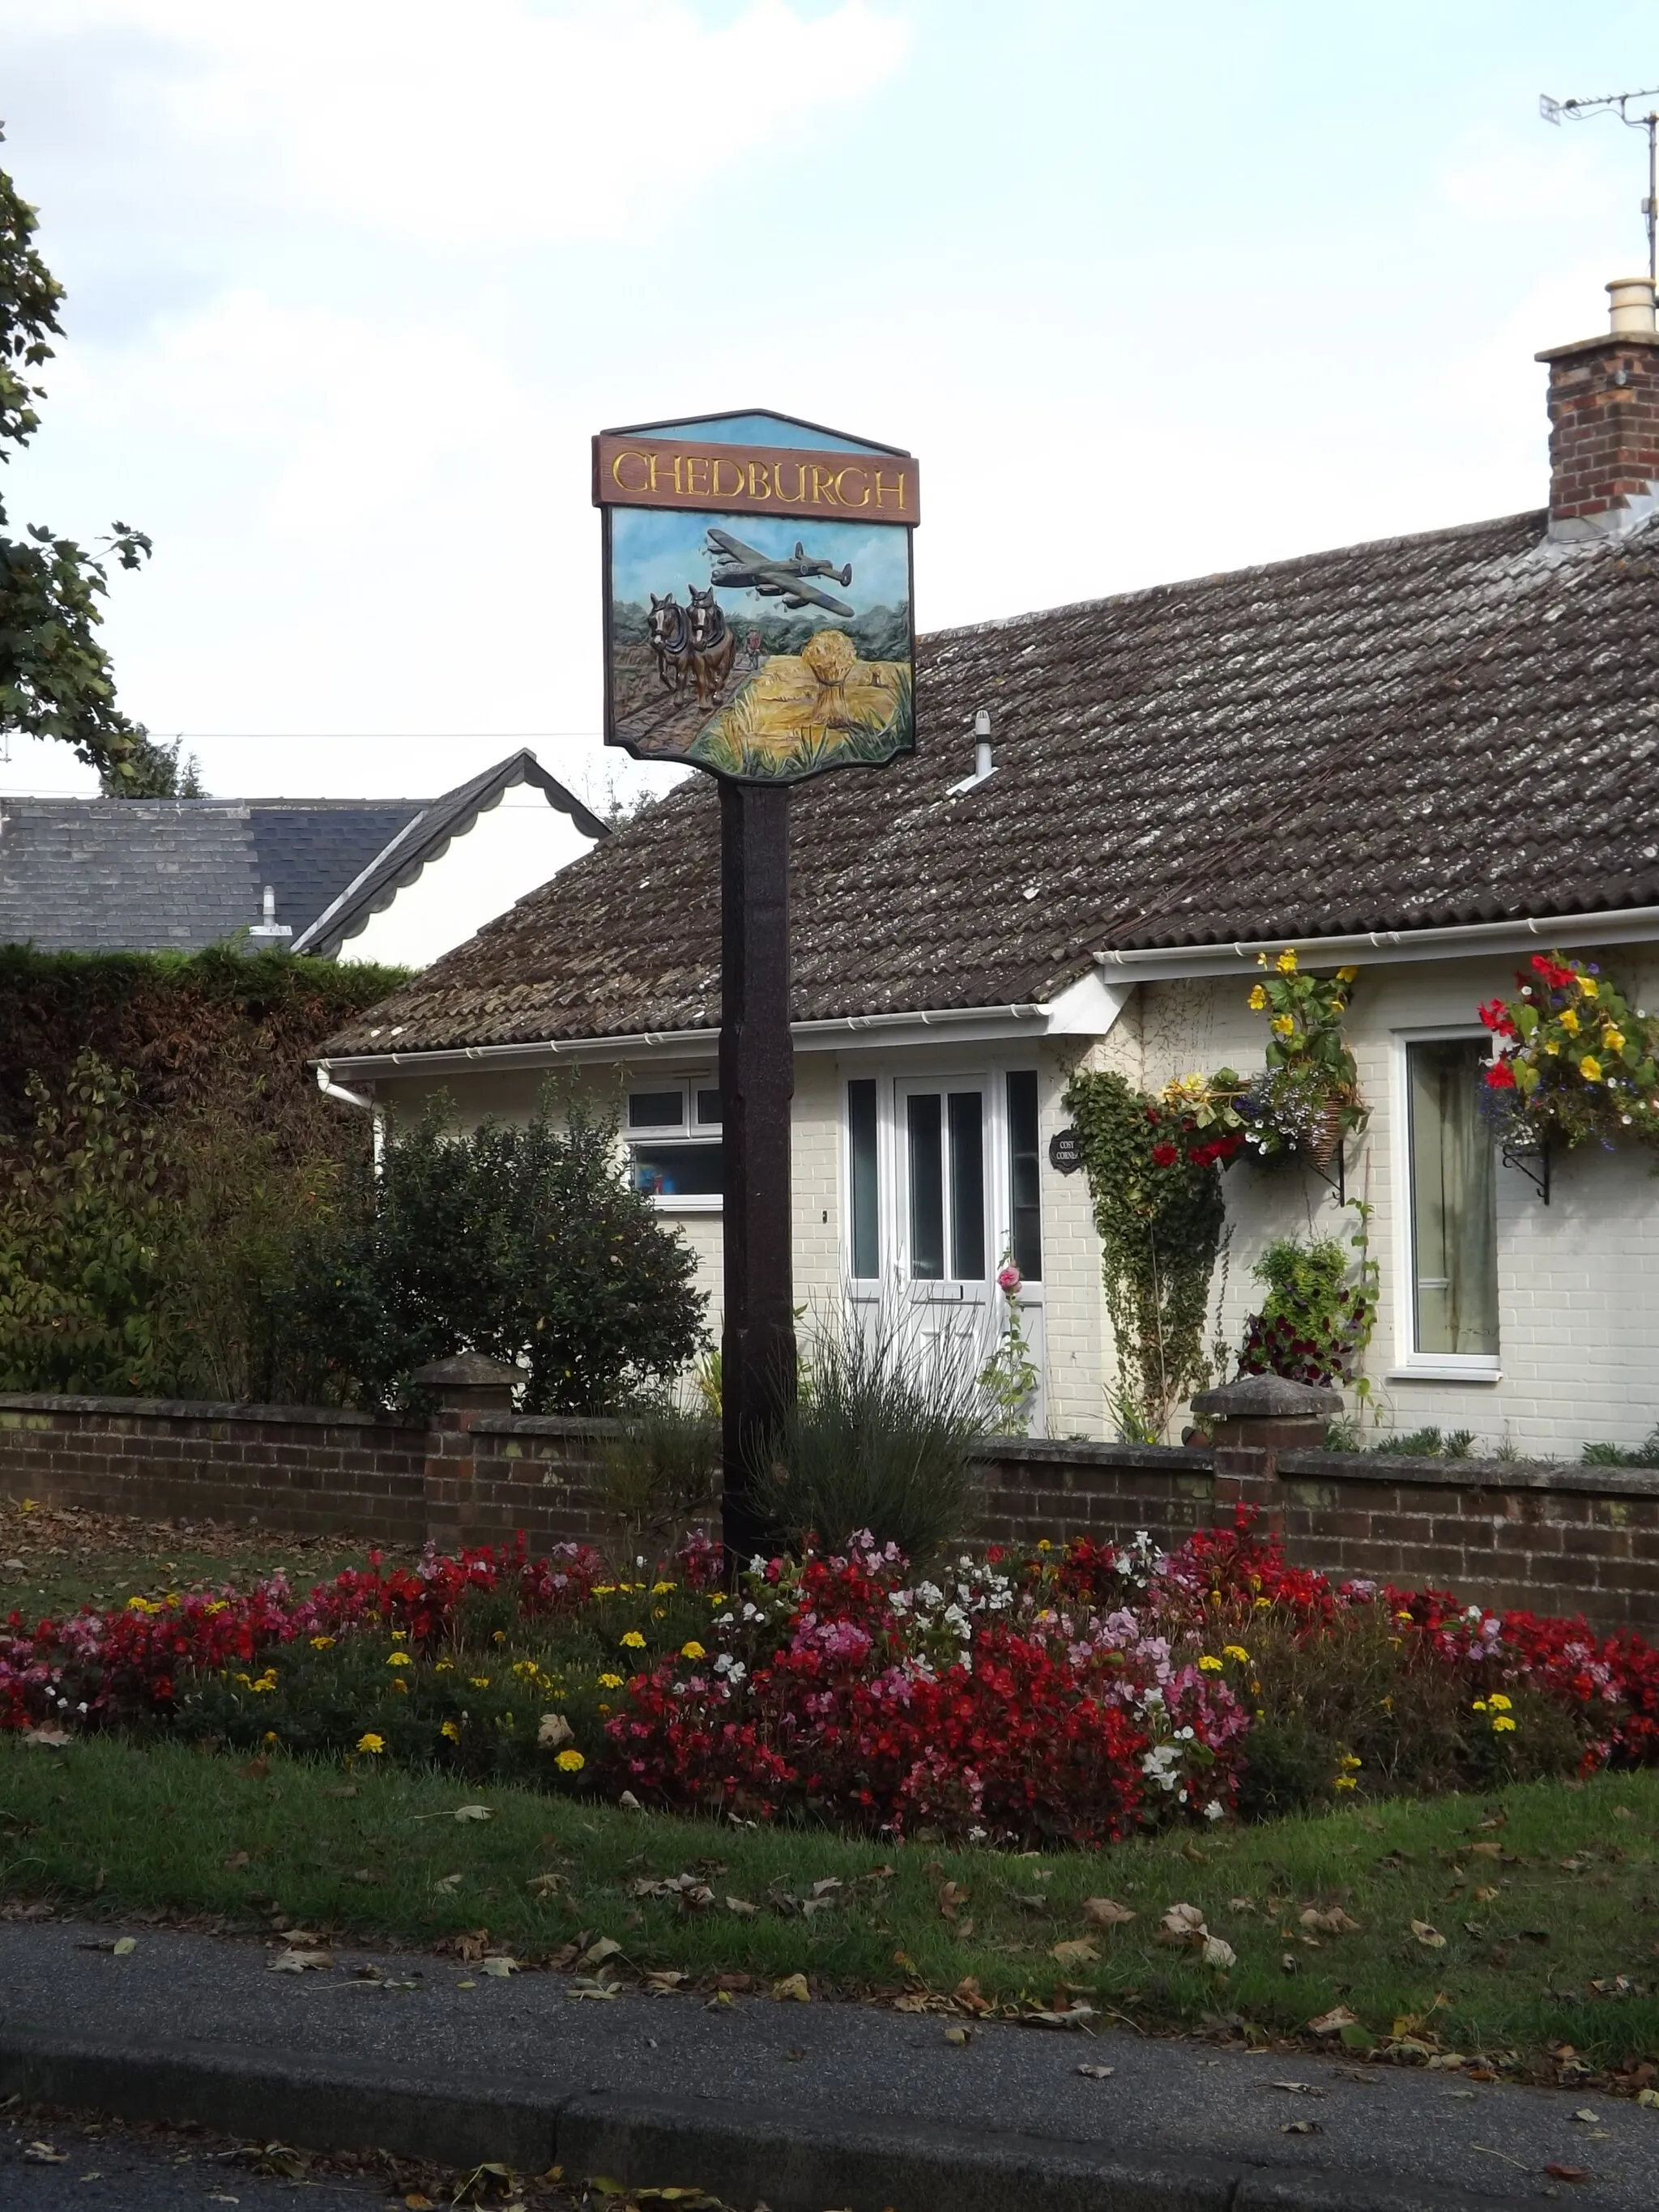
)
(1547, 1894)
(53, 1561)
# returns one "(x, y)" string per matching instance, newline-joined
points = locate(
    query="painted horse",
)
(714, 644)
(669, 632)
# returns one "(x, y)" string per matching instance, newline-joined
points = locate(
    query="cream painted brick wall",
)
(1578, 1279)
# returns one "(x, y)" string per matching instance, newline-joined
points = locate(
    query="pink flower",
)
(1009, 1280)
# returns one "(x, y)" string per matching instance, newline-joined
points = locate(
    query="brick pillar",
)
(1604, 421)
(465, 1386)
(1250, 1422)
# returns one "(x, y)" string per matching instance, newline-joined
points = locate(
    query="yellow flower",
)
(1208, 1665)
(1503, 1725)
(1344, 1782)
(369, 1741)
(570, 1762)
(1236, 1651)
(450, 1730)
(1499, 1702)
(1478, 1706)
(1258, 999)
(605, 1710)
(1347, 974)
(692, 1650)
(633, 1641)
(479, 1681)
(399, 1659)
(1551, 1047)
(272, 1736)
(1282, 1025)
(1590, 1068)
(1613, 1040)
(1044, 1544)
(605, 1590)
(1286, 962)
(1262, 1605)
(661, 1590)
(1260, 959)
(1349, 1763)
(400, 1635)
(1569, 1021)
(659, 1613)
(1402, 1616)
(444, 1666)
(610, 1681)
(322, 1643)
(400, 1685)
(1589, 986)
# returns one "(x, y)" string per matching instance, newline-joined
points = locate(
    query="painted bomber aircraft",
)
(742, 568)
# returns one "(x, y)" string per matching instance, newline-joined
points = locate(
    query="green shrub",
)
(529, 1245)
(1646, 1454)
(1426, 1443)
(660, 1474)
(883, 1440)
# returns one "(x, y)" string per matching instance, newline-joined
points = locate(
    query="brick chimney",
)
(1604, 421)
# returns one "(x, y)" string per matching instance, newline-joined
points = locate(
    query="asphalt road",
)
(50, 2165)
(429, 2022)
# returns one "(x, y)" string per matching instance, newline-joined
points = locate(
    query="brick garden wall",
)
(1557, 1539)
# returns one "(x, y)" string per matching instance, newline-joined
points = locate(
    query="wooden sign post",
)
(774, 667)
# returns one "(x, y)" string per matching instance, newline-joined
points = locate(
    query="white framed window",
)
(672, 1128)
(1446, 1168)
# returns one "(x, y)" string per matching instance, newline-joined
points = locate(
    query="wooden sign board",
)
(758, 597)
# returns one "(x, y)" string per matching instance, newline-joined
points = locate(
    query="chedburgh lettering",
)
(756, 479)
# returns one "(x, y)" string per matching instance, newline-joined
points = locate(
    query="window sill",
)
(690, 1202)
(1449, 1370)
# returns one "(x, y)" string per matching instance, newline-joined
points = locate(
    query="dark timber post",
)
(757, 1081)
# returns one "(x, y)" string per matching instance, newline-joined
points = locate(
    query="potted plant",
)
(1307, 1099)
(1575, 1060)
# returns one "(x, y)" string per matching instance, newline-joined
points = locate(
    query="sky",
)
(1150, 292)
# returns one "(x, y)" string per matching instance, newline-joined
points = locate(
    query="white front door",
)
(947, 1262)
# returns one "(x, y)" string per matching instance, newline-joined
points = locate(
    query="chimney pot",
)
(1630, 306)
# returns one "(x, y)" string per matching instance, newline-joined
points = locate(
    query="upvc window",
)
(1453, 1208)
(947, 1144)
(674, 1136)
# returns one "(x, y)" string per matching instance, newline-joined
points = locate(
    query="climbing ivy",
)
(1161, 1224)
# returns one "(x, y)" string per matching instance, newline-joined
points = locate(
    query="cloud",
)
(500, 120)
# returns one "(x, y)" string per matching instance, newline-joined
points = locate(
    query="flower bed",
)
(1070, 1695)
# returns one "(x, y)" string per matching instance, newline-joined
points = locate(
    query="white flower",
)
(1214, 1810)
(977, 1835)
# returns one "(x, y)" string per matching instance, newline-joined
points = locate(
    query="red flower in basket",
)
(1165, 1155)
(1501, 1076)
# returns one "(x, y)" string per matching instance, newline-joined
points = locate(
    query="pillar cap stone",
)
(467, 1370)
(1268, 1398)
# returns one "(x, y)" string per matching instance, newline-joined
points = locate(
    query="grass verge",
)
(1545, 1896)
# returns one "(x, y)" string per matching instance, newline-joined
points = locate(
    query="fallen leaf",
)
(1297, 2088)
(1577, 1863)
(342, 1790)
(1074, 2016)
(1650, 2097)
(1486, 1851)
(600, 1990)
(46, 1739)
(1429, 1938)
(662, 1979)
(1300, 2128)
(1219, 1954)
(1080, 1952)
(952, 1898)
(1333, 1922)
(448, 1884)
(545, 1884)
(554, 1732)
(1103, 1912)
(1331, 2022)
(603, 1947)
(960, 2037)
(472, 1813)
(1181, 1923)
(498, 1966)
(629, 1802)
(742, 1907)
(1567, 2172)
(1097, 2072)
(255, 1769)
(42, 2154)
(301, 1962)
(415, 2202)
(791, 1990)
(967, 1994)
(124, 1946)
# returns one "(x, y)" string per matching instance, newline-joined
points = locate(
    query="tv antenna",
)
(1620, 104)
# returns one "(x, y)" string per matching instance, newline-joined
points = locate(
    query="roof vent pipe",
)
(982, 762)
(270, 933)
(1630, 306)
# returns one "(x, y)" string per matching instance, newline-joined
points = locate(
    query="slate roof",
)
(1462, 726)
(157, 875)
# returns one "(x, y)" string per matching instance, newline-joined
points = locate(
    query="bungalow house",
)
(1428, 758)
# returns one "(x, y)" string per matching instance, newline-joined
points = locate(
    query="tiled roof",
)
(423, 833)
(160, 875)
(1457, 727)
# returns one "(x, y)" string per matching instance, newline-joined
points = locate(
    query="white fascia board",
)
(1091, 1006)
(1385, 947)
(888, 1031)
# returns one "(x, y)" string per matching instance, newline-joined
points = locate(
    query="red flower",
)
(1165, 1155)
(1501, 1076)
(1496, 1016)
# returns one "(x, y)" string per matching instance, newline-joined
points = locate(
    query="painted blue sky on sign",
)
(667, 549)
(761, 429)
